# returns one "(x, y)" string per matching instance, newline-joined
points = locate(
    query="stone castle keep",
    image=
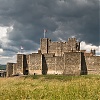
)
(56, 58)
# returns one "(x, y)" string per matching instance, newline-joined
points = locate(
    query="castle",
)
(56, 58)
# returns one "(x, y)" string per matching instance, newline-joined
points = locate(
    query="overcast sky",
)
(22, 23)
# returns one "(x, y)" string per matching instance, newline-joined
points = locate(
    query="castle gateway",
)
(56, 58)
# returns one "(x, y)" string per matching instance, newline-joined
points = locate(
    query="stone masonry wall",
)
(20, 64)
(9, 69)
(58, 48)
(46, 61)
(59, 65)
(52, 64)
(83, 65)
(25, 64)
(27, 61)
(47, 46)
(72, 63)
(73, 44)
(14, 68)
(35, 63)
(44, 45)
(93, 64)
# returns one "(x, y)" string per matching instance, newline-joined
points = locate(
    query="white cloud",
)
(88, 47)
(3, 33)
(5, 59)
(4, 44)
(1, 50)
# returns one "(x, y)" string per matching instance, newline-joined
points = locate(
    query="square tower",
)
(44, 45)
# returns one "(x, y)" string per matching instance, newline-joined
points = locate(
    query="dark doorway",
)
(26, 72)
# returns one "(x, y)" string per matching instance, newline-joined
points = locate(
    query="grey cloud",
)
(62, 18)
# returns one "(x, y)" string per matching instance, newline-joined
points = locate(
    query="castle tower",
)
(44, 45)
(78, 46)
(21, 64)
(9, 69)
(73, 45)
(93, 52)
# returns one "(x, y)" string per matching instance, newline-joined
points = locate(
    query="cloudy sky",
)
(22, 23)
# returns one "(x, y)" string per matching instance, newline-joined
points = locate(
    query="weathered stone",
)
(56, 58)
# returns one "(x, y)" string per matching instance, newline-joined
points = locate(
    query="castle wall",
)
(64, 46)
(47, 46)
(27, 61)
(44, 45)
(72, 63)
(35, 63)
(59, 65)
(52, 47)
(83, 65)
(21, 64)
(56, 58)
(25, 64)
(93, 64)
(52, 64)
(9, 69)
(71, 44)
(58, 48)
(14, 68)
(69, 64)
(48, 64)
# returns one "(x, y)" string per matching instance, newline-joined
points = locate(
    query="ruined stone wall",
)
(9, 69)
(72, 63)
(93, 64)
(35, 63)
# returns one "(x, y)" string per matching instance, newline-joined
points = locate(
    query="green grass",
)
(50, 87)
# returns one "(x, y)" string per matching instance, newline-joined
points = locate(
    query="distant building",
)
(56, 58)
(2, 73)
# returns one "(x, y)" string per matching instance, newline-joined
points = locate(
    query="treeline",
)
(2, 67)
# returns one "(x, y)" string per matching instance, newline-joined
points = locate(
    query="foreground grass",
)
(50, 87)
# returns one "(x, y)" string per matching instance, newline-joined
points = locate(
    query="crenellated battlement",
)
(48, 46)
(56, 58)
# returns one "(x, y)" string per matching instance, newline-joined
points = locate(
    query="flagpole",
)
(44, 33)
(21, 48)
(20, 51)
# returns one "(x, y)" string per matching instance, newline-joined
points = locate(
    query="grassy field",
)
(50, 87)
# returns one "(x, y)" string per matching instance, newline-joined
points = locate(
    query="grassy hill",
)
(50, 87)
(2, 67)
